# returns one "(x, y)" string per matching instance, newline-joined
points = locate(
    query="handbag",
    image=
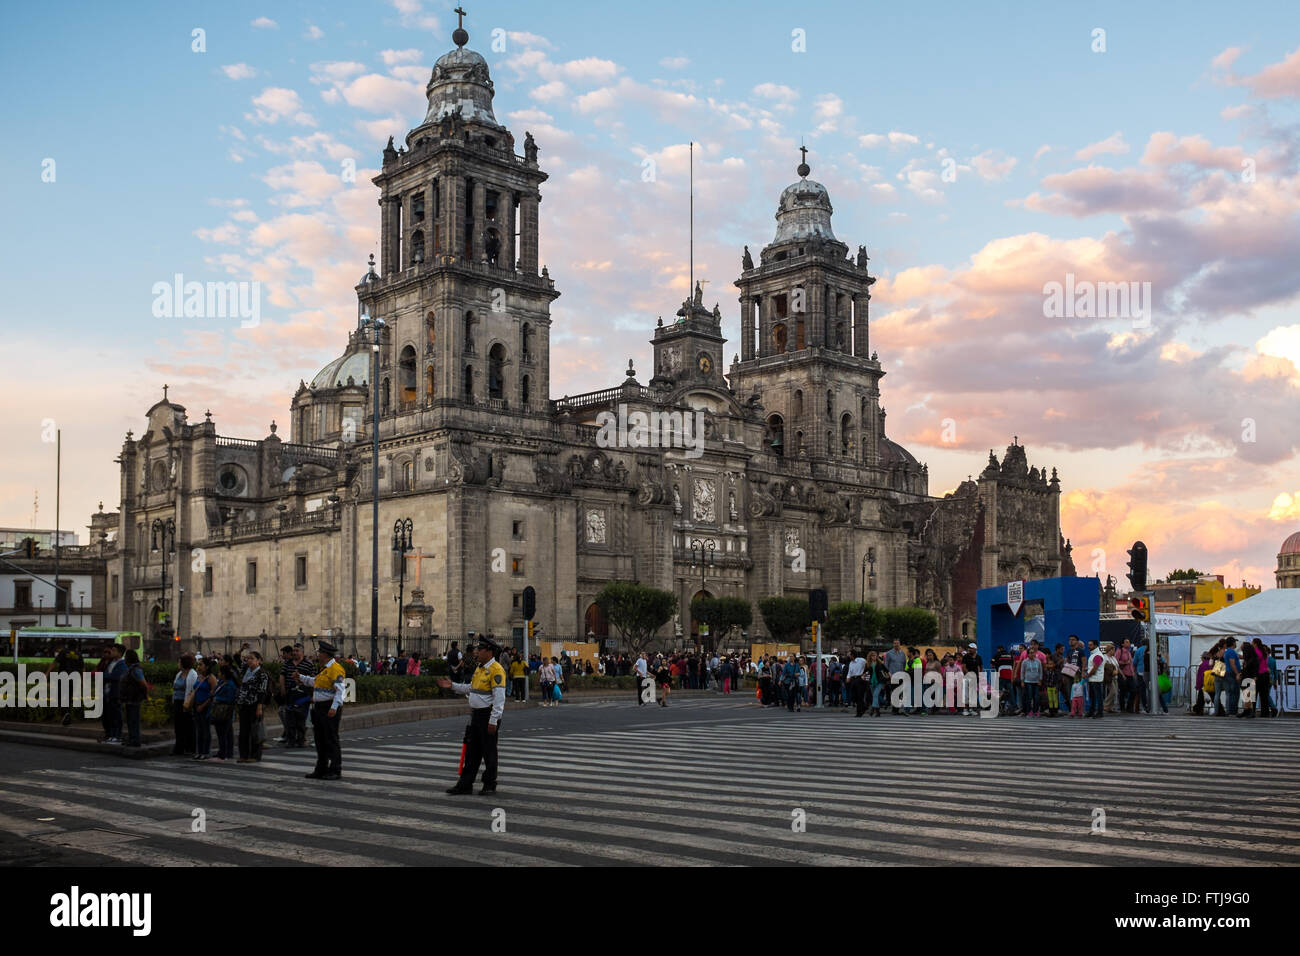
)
(1220, 669)
(555, 691)
(1070, 670)
(259, 732)
(222, 711)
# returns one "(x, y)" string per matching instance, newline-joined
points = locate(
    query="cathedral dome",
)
(1291, 545)
(891, 453)
(335, 374)
(461, 83)
(804, 211)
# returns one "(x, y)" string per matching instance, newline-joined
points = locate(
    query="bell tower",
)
(803, 334)
(689, 350)
(468, 314)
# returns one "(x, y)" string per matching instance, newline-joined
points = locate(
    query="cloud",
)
(313, 32)
(1276, 81)
(394, 57)
(550, 91)
(335, 71)
(674, 62)
(1228, 57)
(239, 71)
(993, 165)
(894, 138)
(827, 110)
(1113, 144)
(276, 103)
(264, 23)
(781, 94)
(412, 15)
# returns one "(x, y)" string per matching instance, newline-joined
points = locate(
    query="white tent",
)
(1274, 617)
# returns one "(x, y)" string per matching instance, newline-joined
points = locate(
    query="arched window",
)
(776, 435)
(846, 434)
(469, 383)
(417, 247)
(496, 371)
(492, 245)
(800, 341)
(384, 398)
(408, 475)
(798, 403)
(430, 331)
(525, 392)
(778, 338)
(428, 384)
(830, 404)
(840, 341)
(526, 342)
(469, 331)
(407, 375)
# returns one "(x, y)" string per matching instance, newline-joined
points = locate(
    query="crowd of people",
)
(1236, 682)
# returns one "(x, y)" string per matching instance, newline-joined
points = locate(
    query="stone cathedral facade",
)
(791, 485)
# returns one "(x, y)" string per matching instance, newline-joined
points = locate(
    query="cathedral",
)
(771, 476)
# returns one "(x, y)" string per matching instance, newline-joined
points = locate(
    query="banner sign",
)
(1015, 595)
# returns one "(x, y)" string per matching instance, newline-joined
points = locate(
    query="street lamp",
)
(374, 328)
(166, 530)
(706, 548)
(81, 611)
(402, 529)
(868, 564)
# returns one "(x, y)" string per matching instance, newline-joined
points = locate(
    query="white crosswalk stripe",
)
(889, 791)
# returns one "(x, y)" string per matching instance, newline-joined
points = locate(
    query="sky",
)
(981, 153)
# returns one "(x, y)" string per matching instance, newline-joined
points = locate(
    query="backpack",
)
(129, 689)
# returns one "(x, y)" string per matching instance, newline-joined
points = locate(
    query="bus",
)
(39, 644)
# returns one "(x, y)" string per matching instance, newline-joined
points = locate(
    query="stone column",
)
(479, 212)
(528, 233)
(453, 214)
(746, 327)
(389, 214)
(506, 259)
(860, 345)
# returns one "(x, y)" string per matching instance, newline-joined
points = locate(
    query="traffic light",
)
(817, 604)
(29, 547)
(1140, 608)
(530, 605)
(1137, 566)
(530, 630)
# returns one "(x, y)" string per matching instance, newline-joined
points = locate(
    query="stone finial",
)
(631, 372)
(273, 426)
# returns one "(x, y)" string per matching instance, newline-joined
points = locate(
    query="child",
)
(1052, 684)
(1076, 699)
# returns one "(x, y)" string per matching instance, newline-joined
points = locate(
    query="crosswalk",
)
(758, 787)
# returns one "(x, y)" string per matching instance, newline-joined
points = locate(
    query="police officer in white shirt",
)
(641, 675)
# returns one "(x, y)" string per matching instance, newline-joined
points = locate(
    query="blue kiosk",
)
(1070, 606)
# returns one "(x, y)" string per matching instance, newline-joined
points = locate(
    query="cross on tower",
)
(164, 393)
(460, 18)
(803, 154)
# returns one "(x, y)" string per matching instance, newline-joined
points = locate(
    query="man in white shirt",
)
(857, 668)
(641, 669)
(1096, 673)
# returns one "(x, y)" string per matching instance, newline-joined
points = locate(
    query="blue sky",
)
(223, 164)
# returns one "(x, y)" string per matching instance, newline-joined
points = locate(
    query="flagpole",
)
(690, 291)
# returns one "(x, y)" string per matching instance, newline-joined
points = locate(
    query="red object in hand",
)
(461, 768)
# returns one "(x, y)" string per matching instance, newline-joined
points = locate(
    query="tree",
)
(850, 624)
(636, 611)
(910, 626)
(785, 617)
(1191, 574)
(721, 615)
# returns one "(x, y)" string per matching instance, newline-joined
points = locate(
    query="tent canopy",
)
(1275, 611)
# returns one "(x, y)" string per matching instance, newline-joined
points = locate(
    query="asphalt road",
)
(711, 781)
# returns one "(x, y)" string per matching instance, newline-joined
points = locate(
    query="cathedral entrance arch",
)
(596, 625)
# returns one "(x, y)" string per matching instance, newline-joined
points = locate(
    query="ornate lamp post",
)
(868, 567)
(166, 531)
(703, 556)
(374, 328)
(402, 529)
